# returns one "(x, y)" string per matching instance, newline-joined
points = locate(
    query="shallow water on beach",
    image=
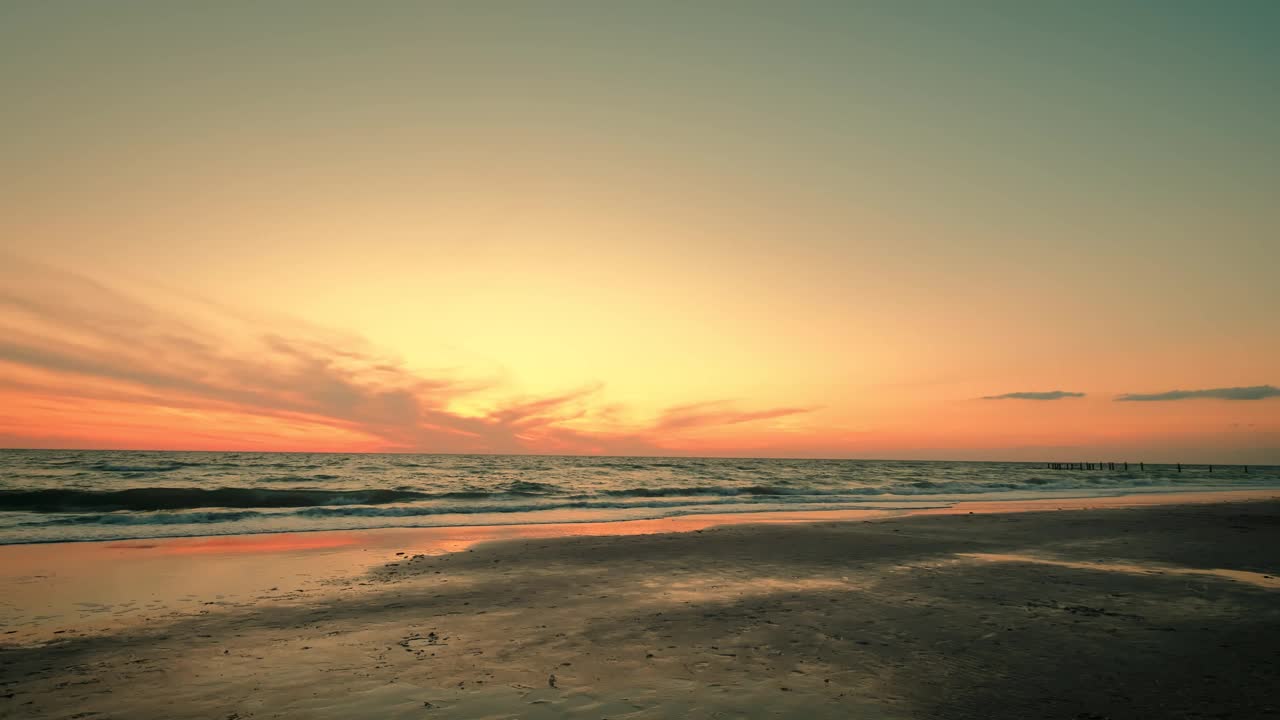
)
(63, 495)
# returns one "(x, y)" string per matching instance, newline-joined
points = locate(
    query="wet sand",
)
(1154, 610)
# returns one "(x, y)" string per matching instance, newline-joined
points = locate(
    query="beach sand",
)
(1152, 611)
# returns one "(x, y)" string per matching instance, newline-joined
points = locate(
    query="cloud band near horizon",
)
(1050, 395)
(1254, 392)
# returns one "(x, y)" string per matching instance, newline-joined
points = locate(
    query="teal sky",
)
(1043, 121)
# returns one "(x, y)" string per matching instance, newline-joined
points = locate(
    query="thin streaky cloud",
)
(1254, 392)
(1050, 395)
(719, 414)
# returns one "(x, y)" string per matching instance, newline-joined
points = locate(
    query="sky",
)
(981, 230)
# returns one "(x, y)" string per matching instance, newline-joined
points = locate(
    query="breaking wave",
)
(144, 499)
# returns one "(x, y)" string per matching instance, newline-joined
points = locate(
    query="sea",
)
(65, 495)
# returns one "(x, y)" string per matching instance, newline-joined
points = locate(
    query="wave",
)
(144, 499)
(722, 490)
(166, 467)
(297, 478)
(526, 487)
(856, 498)
(400, 511)
(333, 488)
(186, 498)
(413, 515)
(185, 518)
(356, 504)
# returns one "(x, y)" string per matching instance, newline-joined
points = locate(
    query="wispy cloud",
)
(718, 414)
(68, 340)
(1050, 395)
(1255, 392)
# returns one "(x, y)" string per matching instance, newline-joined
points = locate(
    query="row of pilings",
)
(1122, 466)
(1095, 466)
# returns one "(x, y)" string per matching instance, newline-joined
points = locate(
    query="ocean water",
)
(56, 495)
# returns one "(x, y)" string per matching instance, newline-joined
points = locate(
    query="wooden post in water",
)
(1179, 467)
(1142, 467)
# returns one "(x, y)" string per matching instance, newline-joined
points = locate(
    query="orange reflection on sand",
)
(268, 543)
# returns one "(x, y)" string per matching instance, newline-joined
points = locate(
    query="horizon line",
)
(603, 455)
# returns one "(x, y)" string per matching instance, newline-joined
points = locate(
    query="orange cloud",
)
(89, 366)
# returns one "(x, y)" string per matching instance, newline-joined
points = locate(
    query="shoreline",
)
(685, 522)
(700, 520)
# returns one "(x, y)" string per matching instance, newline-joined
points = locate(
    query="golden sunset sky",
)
(712, 228)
